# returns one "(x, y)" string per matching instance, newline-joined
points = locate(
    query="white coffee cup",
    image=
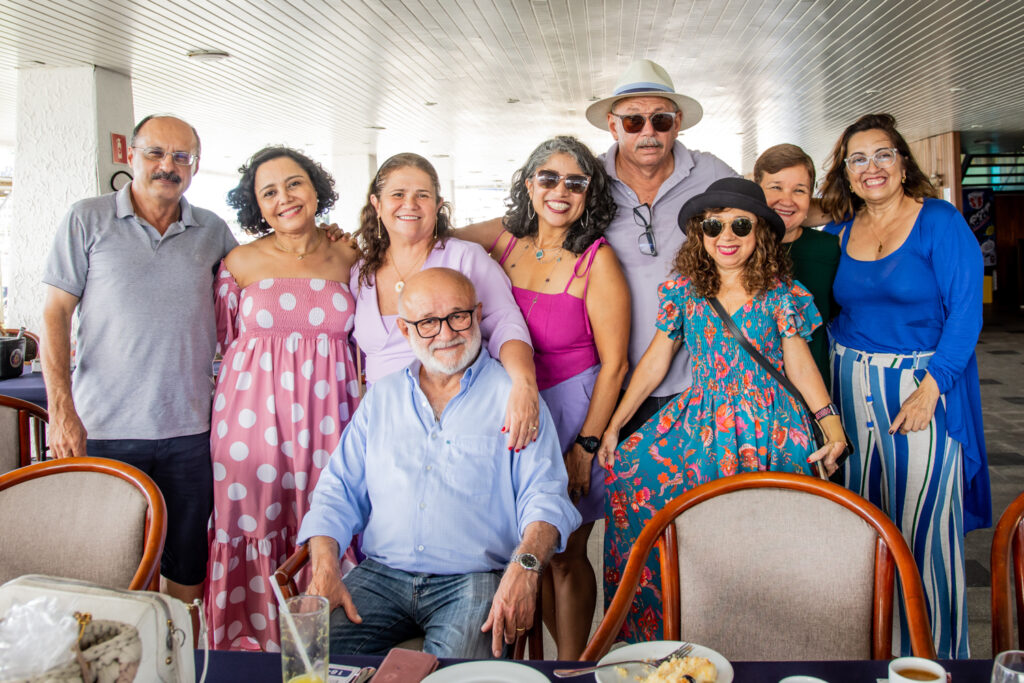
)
(37, 365)
(915, 670)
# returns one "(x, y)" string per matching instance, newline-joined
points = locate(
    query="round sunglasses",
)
(574, 182)
(634, 123)
(713, 227)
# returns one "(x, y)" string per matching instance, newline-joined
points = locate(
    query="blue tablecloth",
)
(28, 387)
(252, 667)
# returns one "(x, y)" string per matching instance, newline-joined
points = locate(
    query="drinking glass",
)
(311, 615)
(1009, 667)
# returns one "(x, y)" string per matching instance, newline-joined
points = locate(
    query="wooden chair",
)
(775, 566)
(19, 422)
(532, 637)
(31, 342)
(1007, 550)
(93, 519)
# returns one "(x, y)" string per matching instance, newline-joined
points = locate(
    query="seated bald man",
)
(455, 527)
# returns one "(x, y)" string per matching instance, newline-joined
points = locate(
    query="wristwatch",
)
(527, 561)
(590, 443)
(830, 409)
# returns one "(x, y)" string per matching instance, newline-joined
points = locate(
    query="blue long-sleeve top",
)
(926, 296)
(440, 496)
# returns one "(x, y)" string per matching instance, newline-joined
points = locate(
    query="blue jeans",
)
(447, 610)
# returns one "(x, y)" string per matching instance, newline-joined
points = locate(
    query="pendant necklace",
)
(400, 285)
(299, 255)
(539, 254)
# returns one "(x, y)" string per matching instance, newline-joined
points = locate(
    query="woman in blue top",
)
(904, 372)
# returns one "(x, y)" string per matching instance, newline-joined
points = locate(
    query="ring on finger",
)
(533, 428)
(520, 630)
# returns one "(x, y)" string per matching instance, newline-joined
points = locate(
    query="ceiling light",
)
(983, 141)
(441, 156)
(207, 55)
(872, 91)
(956, 88)
(428, 103)
(512, 100)
(975, 125)
(594, 98)
(376, 127)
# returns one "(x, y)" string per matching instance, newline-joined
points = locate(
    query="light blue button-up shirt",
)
(440, 496)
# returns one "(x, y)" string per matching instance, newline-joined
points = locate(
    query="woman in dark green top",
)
(786, 174)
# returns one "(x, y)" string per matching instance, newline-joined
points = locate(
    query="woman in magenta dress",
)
(287, 386)
(735, 417)
(575, 299)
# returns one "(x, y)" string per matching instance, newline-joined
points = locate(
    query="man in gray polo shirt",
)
(139, 266)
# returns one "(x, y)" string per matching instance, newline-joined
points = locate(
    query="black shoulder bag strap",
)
(783, 381)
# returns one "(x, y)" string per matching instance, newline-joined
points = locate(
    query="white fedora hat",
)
(644, 78)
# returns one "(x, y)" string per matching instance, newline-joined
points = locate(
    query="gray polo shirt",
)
(146, 326)
(692, 174)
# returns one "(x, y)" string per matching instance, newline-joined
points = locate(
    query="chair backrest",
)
(19, 421)
(93, 519)
(31, 342)
(1007, 563)
(775, 566)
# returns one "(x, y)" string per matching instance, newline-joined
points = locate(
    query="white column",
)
(352, 175)
(62, 154)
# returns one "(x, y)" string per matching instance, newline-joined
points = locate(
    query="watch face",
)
(529, 561)
(590, 443)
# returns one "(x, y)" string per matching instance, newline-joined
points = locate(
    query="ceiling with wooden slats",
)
(486, 80)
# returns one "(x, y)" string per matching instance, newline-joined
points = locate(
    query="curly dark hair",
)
(243, 196)
(768, 265)
(599, 208)
(375, 246)
(838, 200)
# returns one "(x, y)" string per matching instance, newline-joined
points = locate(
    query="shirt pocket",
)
(472, 464)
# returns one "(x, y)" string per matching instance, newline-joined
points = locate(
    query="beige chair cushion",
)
(82, 525)
(10, 440)
(772, 574)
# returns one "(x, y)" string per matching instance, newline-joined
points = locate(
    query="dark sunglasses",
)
(634, 123)
(741, 227)
(575, 183)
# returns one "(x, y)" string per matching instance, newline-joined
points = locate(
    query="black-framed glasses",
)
(458, 321)
(645, 240)
(576, 183)
(713, 227)
(158, 153)
(883, 158)
(634, 123)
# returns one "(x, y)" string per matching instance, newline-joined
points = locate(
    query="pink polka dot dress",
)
(287, 388)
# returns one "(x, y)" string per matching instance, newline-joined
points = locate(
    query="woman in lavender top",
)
(405, 227)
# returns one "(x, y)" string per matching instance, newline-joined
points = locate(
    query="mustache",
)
(653, 142)
(166, 175)
(434, 346)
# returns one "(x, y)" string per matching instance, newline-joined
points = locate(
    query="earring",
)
(380, 227)
(586, 219)
(531, 213)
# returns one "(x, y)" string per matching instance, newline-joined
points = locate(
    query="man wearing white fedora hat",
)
(653, 174)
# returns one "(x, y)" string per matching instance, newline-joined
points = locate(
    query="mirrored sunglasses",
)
(574, 182)
(634, 123)
(713, 227)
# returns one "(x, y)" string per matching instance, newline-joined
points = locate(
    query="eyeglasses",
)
(158, 153)
(458, 321)
(713, 227)
(883, 158)
(645, 241)
(634, 123)
(574, 182)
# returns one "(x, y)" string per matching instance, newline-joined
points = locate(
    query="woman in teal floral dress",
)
(735, 417)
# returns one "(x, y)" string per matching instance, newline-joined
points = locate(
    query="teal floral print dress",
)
(734, 418)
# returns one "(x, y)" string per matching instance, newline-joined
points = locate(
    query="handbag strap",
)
(734, 329)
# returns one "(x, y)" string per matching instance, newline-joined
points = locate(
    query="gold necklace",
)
(300, 255)
(400, 285)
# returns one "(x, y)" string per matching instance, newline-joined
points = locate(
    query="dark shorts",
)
(181, 468)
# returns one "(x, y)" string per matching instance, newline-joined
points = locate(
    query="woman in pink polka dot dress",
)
(287, 387)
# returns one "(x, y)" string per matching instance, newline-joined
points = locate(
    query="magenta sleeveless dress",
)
(567, 363)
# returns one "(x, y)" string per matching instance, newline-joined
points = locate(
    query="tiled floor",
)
(1001, 369)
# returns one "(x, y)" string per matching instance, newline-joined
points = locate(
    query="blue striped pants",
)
(916, 479)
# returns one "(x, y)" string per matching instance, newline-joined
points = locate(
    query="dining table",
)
(28, 387)
(265, 667)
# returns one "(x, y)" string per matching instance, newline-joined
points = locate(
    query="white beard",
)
(425, 353)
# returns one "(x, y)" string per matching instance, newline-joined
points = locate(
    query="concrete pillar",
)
(939, 159)
(63, 153)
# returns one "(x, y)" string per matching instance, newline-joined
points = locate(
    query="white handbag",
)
(163, 622)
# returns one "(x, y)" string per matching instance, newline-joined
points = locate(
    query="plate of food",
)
(703, 664)
(488, 671)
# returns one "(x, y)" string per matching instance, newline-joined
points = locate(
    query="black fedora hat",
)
(733, 193)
